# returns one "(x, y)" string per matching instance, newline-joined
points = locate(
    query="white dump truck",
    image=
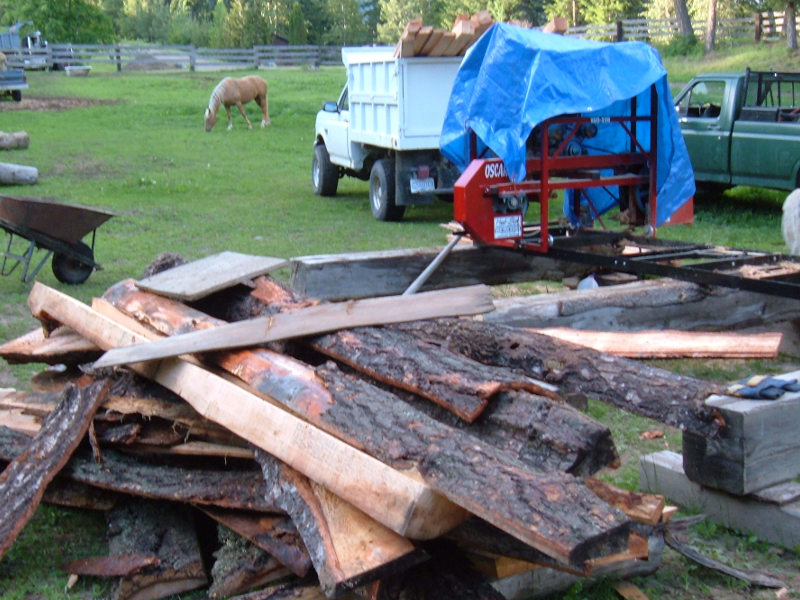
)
(385, 127)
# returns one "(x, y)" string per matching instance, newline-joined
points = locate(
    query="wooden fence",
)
(758, 27)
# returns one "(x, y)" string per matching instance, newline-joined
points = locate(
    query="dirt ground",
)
(50, 103)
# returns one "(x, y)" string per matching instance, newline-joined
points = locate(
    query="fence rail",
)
(758, 27)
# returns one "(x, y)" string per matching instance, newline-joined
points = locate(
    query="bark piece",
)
(645, 508)
(241, 566)
(275, 534)
(159, 529)
(25, 479)
(457, 383)
(621, 382)
(120, 565)
(346, 550)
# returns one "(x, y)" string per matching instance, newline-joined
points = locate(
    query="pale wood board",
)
(311, 320)
(398, 500)
(200, 278)
(672, 343)
(662, 473)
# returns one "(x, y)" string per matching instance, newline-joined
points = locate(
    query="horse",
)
(231, 91)
(790, 222)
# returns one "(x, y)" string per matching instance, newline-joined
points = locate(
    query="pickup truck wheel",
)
(71, 270)
(324, 174)
(381, 192)
(16, 95)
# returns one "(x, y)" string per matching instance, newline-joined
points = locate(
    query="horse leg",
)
(230, 117)
(244, 114)
(264, 102)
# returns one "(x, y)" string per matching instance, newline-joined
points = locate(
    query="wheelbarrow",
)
(57, 228)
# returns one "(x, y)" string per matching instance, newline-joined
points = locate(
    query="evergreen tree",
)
(395, 15)
(298, 29)
(347, 25)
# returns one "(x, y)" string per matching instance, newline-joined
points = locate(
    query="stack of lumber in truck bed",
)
(414, 458)
(424, 40)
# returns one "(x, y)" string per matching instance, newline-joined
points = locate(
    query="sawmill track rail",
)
(751, 270)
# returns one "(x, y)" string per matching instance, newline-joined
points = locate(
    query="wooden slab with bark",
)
(62, 346)
(24, 480)
(412, 509)
(380, 423)
(668, 397)
(348, 549)
(308, 321)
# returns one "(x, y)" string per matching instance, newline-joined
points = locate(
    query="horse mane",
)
(217, 95)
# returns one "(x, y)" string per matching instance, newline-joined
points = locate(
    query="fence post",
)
(118, 58)
(758, 18)
(620, 32)
(255, 56)
(192, 58)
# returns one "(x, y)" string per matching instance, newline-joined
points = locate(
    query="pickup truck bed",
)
(12, 82)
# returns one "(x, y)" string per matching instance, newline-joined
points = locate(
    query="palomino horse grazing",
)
(236, 92)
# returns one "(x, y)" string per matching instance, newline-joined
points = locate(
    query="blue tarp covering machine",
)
(533, 113)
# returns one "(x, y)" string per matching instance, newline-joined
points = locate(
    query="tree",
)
(298, 30)
(790, 26)
(684, 21)
(347, 26)
(77, 21)
(711, 26)
(395, 15)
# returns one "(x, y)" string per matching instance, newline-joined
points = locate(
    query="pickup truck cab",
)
(12, 82)
(742, 128)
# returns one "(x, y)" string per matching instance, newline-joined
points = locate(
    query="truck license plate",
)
(508, 227)
(420, 186)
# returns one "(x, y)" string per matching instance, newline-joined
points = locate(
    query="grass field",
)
(134, 143)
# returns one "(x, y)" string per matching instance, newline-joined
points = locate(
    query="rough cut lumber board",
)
(672, 343)
(621, 382)
(662, 473)
(422, 37)
(200, 278)
(309, 321)
(389, 272)
(441, 46)
(405, 47)
(23, 482)
(556, 25)
(62, 346)
(398, 500)
(482, 21)
(759, 446)
(433, 39)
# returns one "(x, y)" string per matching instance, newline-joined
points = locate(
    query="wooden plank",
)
(387, 272)
(662, 473)
(308, 321)
(758, 447)
(672, 343)
(645, 508)
(422, 38)
(407, 42)
(398, 500)
(482, 21)
(433, 40)
(464, 31)
(442, 45)
(200, 278)
(62, 346)
(556, 25)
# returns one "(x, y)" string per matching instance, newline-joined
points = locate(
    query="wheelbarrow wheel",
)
(71, 270)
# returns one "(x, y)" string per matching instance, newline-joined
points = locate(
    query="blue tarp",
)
(514, 78)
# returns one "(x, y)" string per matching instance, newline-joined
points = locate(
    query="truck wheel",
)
(70, 270)
(324, 174)
(381, 192)
(16, 95)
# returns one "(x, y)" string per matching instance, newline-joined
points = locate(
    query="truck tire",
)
(70, 270)
(381, 192)
(324, 174)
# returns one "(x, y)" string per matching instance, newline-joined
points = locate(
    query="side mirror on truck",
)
(330, 106)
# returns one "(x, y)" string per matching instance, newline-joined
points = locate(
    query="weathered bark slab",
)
(62, 346)
(120, 565)
(241, 566)
(416, 510)
(12, 174)
(275, 534)
(453, 381)
(365, 274)
(377, 421)
(14, 140)
(347, 549)
(652, 304)
(25, 479)
(667, 397)
(120, 473)
(164, 530)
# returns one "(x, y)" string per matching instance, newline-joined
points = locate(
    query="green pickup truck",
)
(742, 128)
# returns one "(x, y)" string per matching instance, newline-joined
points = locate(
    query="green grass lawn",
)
(139, 149)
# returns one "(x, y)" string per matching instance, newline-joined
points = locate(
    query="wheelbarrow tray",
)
(58, 220)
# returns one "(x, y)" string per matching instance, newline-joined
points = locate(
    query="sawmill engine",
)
(557, 134)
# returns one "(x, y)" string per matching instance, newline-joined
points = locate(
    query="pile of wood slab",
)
(380, 447)
(424, 40)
